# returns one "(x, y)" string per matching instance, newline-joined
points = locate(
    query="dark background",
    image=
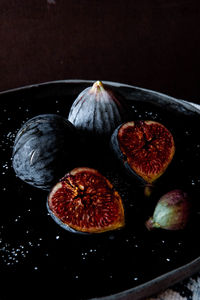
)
(153, 44)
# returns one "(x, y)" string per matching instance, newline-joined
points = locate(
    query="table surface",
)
(150, 44)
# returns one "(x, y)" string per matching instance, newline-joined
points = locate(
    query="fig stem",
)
(148, 190)
(97, 86)
(150, 224)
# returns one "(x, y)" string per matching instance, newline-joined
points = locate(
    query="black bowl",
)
(130, 263)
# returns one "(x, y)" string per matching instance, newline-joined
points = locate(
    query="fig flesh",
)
(97, 111)
(85, 201)
(145, 148)
(43, 150)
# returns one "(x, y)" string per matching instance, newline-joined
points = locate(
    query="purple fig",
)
(97, 111)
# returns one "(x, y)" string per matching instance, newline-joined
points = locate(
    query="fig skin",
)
(84, 201)
(97, 111)
(172, 211)
(43, 150)
(144, 148)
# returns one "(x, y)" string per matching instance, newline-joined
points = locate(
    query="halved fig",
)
(145, 148)
(85, 201)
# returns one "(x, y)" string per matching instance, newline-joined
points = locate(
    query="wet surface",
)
(32, 243)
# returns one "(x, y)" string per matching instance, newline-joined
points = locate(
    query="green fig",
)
(171, 212)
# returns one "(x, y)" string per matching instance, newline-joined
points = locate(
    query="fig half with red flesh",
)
(85, 201)
(146, 148)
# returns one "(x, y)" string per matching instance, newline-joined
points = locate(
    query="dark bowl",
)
(130, 263)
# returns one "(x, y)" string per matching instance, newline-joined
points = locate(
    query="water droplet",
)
(5, 166)
(92, 250)
(111, 237)
(17, 219)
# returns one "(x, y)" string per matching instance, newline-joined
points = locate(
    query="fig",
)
(85, 201)
(43, 150)
(145, 148)
(171, 212)
(97, 111)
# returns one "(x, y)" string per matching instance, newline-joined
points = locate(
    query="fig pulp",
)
(85, 201)
(97, 111)
(145, 148)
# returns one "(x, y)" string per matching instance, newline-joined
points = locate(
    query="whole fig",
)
(97, 111)
(171, 212)
(43, 150)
